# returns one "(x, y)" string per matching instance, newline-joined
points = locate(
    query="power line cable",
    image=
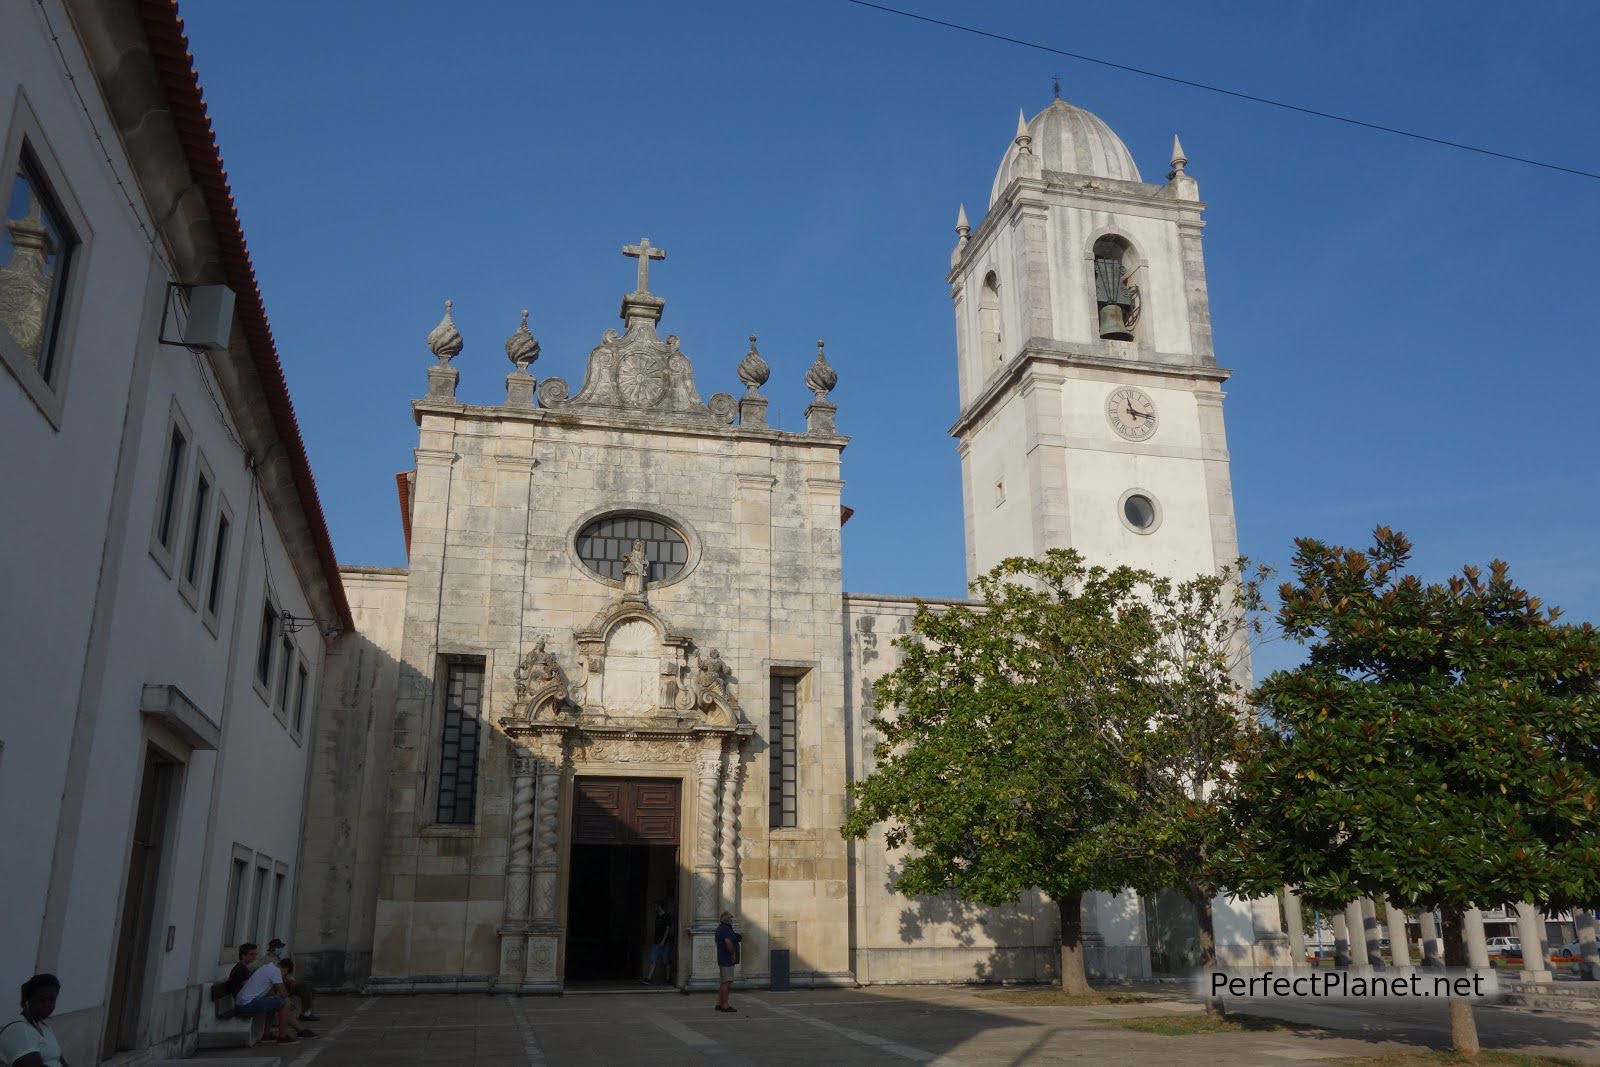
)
(1225, 92)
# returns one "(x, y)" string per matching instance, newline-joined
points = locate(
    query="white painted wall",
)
(81, 505)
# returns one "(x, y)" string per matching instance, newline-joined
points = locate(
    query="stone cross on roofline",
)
(642, 307)
(644, 252)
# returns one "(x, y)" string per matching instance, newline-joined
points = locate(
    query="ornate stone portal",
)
(642, 699)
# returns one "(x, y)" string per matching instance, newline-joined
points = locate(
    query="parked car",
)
(1571, 952)
(1505, 946)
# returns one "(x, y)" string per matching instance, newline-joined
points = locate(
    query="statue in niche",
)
(635, 568)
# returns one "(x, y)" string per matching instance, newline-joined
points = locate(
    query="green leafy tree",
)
(1439, 747)
(1004, 735)
(1193, 682)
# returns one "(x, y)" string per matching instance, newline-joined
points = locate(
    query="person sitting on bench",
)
(264, 994)
(241, 970)
(299, 989)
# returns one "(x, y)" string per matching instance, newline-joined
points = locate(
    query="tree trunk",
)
(1201, 902)
(1074, 979)
(1463, 1028)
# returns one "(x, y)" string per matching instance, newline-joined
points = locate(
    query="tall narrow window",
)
(258, 903)
(197, 530)
(285, 672)
(989, 322)
(172, 481)
(36, 246)
(276, 929)
(301, 678)
(236, 886)
(268, 641)
(219, 560)
(458, 756)
(783, 790)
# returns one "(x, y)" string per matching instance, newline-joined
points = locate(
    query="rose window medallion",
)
(642, 379)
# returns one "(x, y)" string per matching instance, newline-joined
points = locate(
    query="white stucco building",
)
(167, 575)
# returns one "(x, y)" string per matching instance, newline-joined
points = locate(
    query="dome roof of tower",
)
(1070, 139)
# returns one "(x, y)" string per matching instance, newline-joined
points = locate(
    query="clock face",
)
(1131, 413)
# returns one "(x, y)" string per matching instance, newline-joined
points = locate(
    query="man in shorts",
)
(264, 993)
(727, 959)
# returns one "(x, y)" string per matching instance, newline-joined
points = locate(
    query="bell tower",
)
(1091, 399)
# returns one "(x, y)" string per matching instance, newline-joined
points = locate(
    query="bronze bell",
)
(1112, 325)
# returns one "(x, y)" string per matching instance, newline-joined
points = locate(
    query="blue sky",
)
(1405, 322)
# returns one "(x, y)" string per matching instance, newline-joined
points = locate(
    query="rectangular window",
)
(219, 561)
(783, 790)
(276, 930)
(269, 641)
(171, 484)
(458, 756)
(285, 672)
(301, 679)
(36, 253)
(236, 886)
(197, 530)
(257, 905)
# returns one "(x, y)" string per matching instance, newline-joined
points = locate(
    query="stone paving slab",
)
(943, 1026)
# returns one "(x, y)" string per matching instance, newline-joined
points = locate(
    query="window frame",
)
(261, 882)
(48, 394)
(289, 651)
(215, 593)
(297, 715)
(196, 532)
(266, 641)
(280, 883)
(448, 665)
(233, 909)
(172, 489)
(783, 809)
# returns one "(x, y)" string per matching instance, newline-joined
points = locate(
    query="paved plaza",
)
(941, 1025)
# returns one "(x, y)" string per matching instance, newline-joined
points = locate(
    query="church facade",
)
(621, 669)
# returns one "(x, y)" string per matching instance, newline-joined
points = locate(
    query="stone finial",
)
(821, 378)
(753, 370)
(642, 306)
(1024, 140)
(521, 347)
(444, 341)
(963, 235)
(1179, 160)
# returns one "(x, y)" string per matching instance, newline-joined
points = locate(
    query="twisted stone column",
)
(732, 781)
(708, 776)
(543, 933)
(519, 869)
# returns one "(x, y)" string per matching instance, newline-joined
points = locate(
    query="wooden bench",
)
(221, 1028)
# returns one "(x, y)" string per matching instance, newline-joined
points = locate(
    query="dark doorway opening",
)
(624, 859)
(139, 903)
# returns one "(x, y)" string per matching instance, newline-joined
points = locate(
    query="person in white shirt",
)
(264, 994)
(28, 1041)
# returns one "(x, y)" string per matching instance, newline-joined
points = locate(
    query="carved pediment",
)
(630, 669)
(637, 373)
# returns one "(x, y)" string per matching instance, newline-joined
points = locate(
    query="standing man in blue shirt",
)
(727, 958)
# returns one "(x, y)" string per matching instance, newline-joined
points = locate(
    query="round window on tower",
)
(603, 543)
(1139, 511)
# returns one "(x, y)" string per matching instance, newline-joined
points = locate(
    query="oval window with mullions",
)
(603, 544)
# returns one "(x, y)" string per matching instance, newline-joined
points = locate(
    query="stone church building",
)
(621, 667)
